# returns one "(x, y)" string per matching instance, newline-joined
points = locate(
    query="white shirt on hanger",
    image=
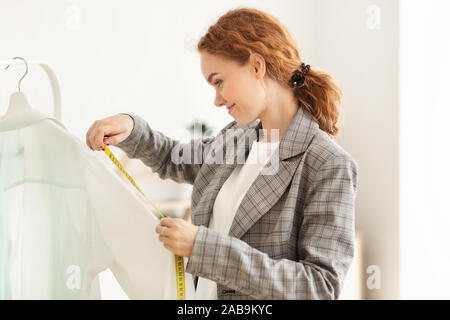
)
(228, 201)
(65, 216)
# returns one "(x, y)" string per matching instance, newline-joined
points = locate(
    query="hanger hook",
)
(26, 71)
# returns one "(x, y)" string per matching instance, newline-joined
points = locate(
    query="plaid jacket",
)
(293, 234)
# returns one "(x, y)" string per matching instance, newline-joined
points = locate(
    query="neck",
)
(278, 115)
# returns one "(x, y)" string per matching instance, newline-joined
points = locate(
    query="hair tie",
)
(298, 78)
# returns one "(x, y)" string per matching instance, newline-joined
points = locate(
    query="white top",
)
(228, 201)
(65, 216)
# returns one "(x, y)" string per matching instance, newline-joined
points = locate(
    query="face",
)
(235, 84)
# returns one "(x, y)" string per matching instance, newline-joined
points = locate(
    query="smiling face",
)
(235, 84)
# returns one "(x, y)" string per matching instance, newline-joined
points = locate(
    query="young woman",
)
(288, 234)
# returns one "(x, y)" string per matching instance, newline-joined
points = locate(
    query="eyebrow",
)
(211, 75)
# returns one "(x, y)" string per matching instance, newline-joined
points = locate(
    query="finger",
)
(98, 138)
(103, 132)
(167, 221)
(88, 142)
(160, 230)
(90, 134)
(169, 247)
(164, 239)
(112, 140)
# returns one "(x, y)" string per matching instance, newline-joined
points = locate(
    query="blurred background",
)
(390, 57)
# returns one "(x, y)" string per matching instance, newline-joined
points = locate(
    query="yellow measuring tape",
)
(179, 262)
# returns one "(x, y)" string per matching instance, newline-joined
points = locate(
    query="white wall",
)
(425, 151)
(123, 56)
(139, 57)
(363, 56)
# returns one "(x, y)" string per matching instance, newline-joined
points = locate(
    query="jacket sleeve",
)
(167, 157)
(325, 246)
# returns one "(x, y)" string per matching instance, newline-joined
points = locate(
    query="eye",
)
(216, 83)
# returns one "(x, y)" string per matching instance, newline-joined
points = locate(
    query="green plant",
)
(199, 127)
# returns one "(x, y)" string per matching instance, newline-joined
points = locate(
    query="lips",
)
(229, 108)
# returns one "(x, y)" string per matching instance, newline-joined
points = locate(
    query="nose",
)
(218, 99)
(219, 102)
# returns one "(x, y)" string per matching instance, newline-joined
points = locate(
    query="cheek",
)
(250, 103)
(246, 93)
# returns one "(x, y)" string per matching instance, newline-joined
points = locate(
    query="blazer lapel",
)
(224, 170)
(266, 190)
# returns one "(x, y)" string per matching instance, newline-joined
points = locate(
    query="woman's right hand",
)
(110, 131)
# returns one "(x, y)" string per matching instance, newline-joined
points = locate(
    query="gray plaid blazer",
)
(293, 234)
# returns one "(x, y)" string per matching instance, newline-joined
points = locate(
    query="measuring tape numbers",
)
(179, 262)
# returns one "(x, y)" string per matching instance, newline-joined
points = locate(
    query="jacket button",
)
(228, 291)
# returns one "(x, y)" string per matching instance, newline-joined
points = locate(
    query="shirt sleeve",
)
(325, 246)
(169, 158)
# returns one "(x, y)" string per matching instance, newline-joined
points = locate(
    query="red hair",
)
(243, 31)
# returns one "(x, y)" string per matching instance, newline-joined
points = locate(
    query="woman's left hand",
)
(178, 235)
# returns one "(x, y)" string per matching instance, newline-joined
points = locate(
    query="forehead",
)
(210, 63)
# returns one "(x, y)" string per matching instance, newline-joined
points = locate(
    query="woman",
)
(288, 234)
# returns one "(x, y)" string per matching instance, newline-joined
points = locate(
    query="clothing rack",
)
(57, 112)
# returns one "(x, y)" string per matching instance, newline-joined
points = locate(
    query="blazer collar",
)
(297, 138)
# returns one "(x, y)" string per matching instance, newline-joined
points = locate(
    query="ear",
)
(258, 64)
